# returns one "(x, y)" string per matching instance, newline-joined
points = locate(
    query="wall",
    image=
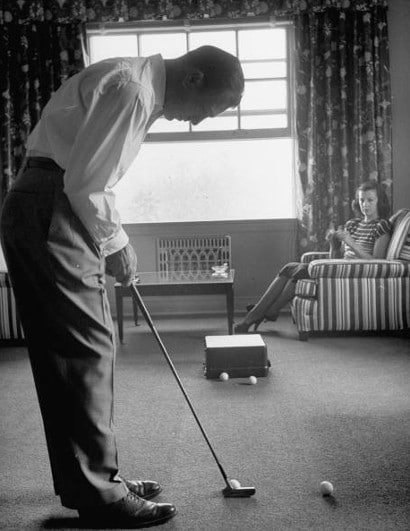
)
(399, 26)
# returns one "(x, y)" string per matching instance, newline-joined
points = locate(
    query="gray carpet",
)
(334, 409)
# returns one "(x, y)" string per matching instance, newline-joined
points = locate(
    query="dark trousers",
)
(58, 279)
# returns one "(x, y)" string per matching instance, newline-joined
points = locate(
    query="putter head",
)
(240, 492)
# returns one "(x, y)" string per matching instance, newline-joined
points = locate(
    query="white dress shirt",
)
(93, 128)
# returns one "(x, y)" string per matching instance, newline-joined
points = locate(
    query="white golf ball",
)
(253, 380)
(326, 488)
(234, 483)
(224, 376)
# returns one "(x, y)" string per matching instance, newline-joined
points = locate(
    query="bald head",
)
(202, 83)
(222, 71)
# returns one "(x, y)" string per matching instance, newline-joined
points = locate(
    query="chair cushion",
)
(3, 266)
(405, 250)
(10, 326)
(399, 248)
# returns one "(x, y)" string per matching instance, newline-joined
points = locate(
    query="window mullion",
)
(238, 108)
(248, 56)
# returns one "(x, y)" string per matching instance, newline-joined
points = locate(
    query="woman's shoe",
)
(265, 318)
(273, 317)
(242, 328)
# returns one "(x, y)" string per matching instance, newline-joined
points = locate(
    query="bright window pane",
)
(221, 39)
(106, 46)
(219, 123)
(264, 69)
(260, 95)
(169, 45)
(168, 126)
(264, 121)
(192, 181)
(203, 180)
(262, 44)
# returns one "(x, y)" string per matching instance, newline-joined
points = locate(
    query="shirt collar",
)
(158, 80)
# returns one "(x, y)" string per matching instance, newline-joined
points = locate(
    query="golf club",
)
(229, 491)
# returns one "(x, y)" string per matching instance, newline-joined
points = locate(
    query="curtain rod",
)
(184, 24)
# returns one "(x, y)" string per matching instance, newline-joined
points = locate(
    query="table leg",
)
(229, 307)
(119, 305)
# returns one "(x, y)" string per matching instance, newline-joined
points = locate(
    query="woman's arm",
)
(379, 250)
(380, 246)
(335, 250)
(358, 251)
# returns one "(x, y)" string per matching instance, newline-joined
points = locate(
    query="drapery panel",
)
(35, 58)
(343, 114)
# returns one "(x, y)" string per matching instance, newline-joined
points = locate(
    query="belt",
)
(42, 162)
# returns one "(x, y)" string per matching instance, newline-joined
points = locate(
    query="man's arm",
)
(105, 146)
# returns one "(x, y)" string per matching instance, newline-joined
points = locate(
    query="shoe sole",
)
(94, 524)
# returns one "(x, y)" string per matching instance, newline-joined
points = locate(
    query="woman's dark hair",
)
(383, 204)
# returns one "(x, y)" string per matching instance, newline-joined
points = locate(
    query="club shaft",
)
(137, 297)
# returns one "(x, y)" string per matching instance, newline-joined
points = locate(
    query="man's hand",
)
(122, 265)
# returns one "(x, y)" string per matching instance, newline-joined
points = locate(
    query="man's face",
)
(194, 105)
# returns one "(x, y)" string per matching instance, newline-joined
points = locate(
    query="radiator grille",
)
(192, 253)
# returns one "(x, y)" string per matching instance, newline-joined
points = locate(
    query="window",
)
(238, 165)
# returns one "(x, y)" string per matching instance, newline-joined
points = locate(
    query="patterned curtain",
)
(342, 77)
(343, 111)
(37, 53)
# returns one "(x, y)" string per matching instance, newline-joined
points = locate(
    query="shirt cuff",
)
(118, 242)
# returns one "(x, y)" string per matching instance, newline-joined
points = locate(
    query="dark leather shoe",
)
(131, 512)
(144, 489)
(242, 328)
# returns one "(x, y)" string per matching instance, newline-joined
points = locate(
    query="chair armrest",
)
(359, 269)
(314, 255)
(4, 280)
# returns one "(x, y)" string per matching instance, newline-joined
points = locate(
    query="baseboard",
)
(206, 305)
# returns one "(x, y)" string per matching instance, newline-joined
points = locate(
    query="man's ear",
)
(194, 79)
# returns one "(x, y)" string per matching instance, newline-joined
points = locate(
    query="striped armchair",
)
(357, 295)
(11, 331)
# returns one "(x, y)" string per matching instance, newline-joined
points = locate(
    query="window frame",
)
(164, 26)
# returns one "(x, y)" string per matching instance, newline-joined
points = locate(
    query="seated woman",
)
(366, 236)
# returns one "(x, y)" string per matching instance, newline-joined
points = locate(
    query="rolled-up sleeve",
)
(104, 147)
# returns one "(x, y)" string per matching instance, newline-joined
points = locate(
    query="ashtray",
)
(220, 270)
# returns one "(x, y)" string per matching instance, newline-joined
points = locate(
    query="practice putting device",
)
(229, 491)
(240, 356)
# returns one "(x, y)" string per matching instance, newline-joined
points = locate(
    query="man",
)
(61, 233)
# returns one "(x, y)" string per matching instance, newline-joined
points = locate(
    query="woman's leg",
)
(279, 293)
(262, 307)
(284, 297)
